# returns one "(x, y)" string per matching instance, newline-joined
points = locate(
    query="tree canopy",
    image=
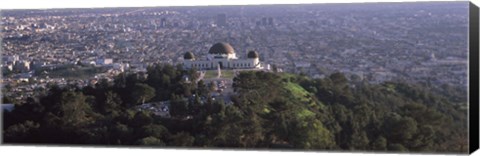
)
(269, 110)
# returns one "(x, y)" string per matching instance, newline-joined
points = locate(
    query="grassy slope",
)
(213, 74)
(302, 96)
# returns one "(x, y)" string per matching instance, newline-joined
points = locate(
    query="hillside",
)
(269, 110)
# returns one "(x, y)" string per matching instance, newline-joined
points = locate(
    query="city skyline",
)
(52, 4)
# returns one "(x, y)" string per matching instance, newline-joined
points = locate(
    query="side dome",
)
(252, 54)
(188, 56)
(221, 48)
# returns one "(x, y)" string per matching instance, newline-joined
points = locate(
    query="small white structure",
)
(104, 61)
(219, 72)
(22, 66)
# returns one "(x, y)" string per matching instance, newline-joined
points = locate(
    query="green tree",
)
(142, 92)
(400, 129)
(182, 139)
(121, 134)
(150, 141)
(227, 129)
(202, 89)
(112, 103)
(178, 106)
(380, 144)
(21, 133)
(7, 99)
(155, 130)
(359, 140)
(141, 118)
(339, 78)
(397, 147)
(73, 109)
(311, 134)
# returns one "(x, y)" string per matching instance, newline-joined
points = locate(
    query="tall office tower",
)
(222, 20)
(264, 21)
(163, 22)
(270, 21)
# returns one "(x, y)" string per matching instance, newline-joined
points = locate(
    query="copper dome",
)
(188, 56)
(252, 54)
(221, 48)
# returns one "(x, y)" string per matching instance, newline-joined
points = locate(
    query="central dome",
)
(221, 48)
(188, 56)
(252, 54)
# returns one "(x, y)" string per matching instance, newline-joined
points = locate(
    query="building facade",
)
(222, 55)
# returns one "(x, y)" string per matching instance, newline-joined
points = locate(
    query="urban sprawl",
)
(413, 42)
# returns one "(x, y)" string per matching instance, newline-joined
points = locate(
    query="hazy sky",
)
(42, 4)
